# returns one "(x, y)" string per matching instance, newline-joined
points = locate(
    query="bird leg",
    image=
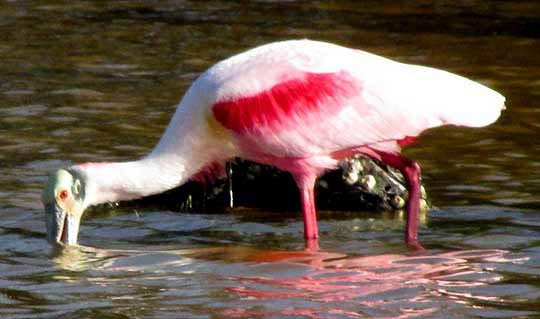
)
(311, 230)
(411, 171)
(305, 184)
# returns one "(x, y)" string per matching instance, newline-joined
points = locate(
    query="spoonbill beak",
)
(63, 202)
(62, 227)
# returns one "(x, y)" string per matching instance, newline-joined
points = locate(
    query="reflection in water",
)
(313, 284)
(373, 281)
(80, 258)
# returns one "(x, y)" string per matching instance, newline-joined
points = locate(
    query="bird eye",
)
(63, 194)
(77, 187)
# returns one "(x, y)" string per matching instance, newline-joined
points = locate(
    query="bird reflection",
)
(384, 281)
(319, 284)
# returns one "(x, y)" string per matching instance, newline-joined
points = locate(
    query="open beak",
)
(62, 227)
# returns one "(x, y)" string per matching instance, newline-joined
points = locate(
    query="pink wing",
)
(284, 105)
(310, 115)
(306, 99)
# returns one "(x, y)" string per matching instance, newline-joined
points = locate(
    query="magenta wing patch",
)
(324, 93)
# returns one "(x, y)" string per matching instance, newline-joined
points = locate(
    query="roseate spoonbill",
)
(299, 105)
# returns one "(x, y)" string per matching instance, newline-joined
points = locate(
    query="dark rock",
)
(359, 184)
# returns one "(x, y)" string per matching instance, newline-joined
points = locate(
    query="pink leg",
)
(411, 172)
(306, 183)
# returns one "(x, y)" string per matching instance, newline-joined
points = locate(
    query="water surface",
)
(98, 81)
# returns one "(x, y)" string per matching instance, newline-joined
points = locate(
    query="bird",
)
(298, 105)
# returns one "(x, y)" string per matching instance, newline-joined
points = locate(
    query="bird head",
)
(63, 199)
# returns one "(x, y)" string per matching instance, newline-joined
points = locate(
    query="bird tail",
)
(461, 101)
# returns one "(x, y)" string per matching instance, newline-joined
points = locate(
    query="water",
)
(98, 81)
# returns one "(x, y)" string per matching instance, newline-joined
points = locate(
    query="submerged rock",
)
(359, 184)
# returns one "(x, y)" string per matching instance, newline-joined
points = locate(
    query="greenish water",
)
(98, 81)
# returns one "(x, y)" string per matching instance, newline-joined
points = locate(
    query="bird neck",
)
(120, 181)
(190, 143)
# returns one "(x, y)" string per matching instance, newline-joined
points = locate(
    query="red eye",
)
(63, 195)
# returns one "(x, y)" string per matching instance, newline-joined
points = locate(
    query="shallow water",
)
(98, 81)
